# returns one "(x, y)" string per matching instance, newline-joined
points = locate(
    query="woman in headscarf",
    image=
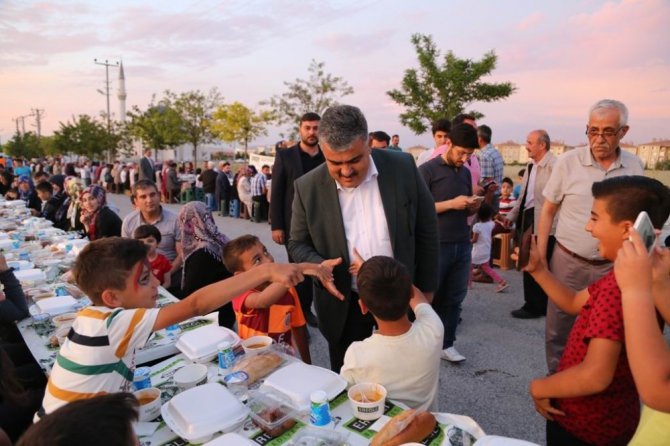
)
(27, 193)
(98, 219)
(202, 250)
(72, 205)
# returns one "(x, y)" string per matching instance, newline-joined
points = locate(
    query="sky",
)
(562, 56)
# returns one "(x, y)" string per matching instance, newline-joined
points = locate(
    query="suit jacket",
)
(317, 230)
(146, 170)
(223, 187)
(542, 173)
(286, 169)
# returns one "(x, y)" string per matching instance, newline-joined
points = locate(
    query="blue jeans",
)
(210, 202)
(454, 273)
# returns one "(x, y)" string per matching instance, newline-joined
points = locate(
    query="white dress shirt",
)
(364, 219)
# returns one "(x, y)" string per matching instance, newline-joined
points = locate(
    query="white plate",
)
(298, 380)
(200, 344)
(231, 439)
(198, 413)
(20, 264)
(56, 305)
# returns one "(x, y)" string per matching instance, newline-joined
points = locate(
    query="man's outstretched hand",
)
(330, 283)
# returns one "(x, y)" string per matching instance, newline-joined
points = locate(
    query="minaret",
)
(122, 95)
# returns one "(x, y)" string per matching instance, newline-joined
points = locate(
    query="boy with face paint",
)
(98, 356)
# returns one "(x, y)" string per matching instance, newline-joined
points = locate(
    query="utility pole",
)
(16, 120)
(106, 64)
(38, 120)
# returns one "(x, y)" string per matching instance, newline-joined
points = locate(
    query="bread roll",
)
(406, 427)
(258, 366)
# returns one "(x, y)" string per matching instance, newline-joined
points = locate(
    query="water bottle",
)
(226, 358)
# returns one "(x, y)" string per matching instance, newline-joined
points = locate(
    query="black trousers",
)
(557, 436)
(535, 299)
(357, 326)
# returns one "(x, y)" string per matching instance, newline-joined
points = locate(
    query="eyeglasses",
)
(607, 133)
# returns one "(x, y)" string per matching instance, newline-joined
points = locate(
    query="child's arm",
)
(300, 336)
(567, 299)
(475, 237)
(418, 297)
(275, 291)
(592, 376)
(209, 298)
(648, 352)
(167, 279)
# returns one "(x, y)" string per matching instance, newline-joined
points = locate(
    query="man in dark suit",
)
(364, 201)
(290, 164)
(147, 167)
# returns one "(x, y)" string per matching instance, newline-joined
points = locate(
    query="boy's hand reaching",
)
(356, 264)
(632, 267)
(288, 274)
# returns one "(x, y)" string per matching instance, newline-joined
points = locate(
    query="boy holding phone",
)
(592, 398)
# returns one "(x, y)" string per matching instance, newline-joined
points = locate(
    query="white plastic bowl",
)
(257, 344)
(152, 408)
(372, 410)
(190, 376)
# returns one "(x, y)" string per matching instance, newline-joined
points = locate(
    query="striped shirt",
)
(99, 355)
(258, 184)
(275, 321)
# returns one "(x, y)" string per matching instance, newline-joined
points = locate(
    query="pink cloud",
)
(530, 21)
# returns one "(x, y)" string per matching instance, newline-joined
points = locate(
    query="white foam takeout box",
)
(198, 413)
(33, 274)
(298, 380)
(200, 345)
(56, 305)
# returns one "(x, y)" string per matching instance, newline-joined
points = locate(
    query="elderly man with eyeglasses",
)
(575, 260)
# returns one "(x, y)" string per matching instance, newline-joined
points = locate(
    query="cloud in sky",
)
(561, 55)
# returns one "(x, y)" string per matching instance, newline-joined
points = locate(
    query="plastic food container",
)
(272, 412)
(256, 344)
(190, 376)
(367, 400)
(312, 436)
(150, 403)
(200, 345)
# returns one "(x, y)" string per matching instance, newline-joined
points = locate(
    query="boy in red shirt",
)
(160, 265)
(592, 399)
(268, 309)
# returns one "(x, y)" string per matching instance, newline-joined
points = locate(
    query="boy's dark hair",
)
(443, 125)
(105, 264)
(107, 419)
(485, 212)
(385, 286)
(627, 196)
(40, 174)
(310, 116)
(45, 186)
(381, 136)
(509, 181)
(485, 133)
(144, 231)
(235, 248)
(461, 117)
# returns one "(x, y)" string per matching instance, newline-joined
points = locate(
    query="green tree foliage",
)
(158, 127)
(25, 145)
(316, 94)
(85, 136)
(194, 109)
(432, 91)
(237, 123)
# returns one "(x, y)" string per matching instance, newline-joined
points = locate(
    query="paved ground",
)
(503, 354)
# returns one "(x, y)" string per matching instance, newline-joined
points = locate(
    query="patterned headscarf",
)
(73, 190)
(199, 230)
(89, 218)
(24, 195)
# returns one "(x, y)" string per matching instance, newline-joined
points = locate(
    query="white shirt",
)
(530, 189)
(481, 249)
(408, 365)
(364, 219)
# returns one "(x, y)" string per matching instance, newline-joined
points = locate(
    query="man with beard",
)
(290, 164)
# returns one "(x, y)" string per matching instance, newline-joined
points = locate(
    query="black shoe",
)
(311, 319)
(522, 313)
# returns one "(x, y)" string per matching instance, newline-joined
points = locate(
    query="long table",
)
(452, 429)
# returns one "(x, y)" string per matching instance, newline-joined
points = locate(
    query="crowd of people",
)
(370, 235)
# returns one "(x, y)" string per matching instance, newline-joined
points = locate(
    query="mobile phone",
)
(477, 198)
(645, 228)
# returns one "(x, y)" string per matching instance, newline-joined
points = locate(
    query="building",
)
(513, 152)
(415, 151)
(654, 152)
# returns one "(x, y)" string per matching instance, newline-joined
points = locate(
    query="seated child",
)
(516, 192)
(402, 356)
(482, 237)
(98, 357)
(644, 281)
(507, 201)
(50, 202)
(269, 309)
(160, 265)
(592, 398)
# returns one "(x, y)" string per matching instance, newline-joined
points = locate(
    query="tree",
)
(237, 123)
(158, 127)
(85, 136)
(433, 92)
(195, 110)
(25, 145)
(316, 94)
